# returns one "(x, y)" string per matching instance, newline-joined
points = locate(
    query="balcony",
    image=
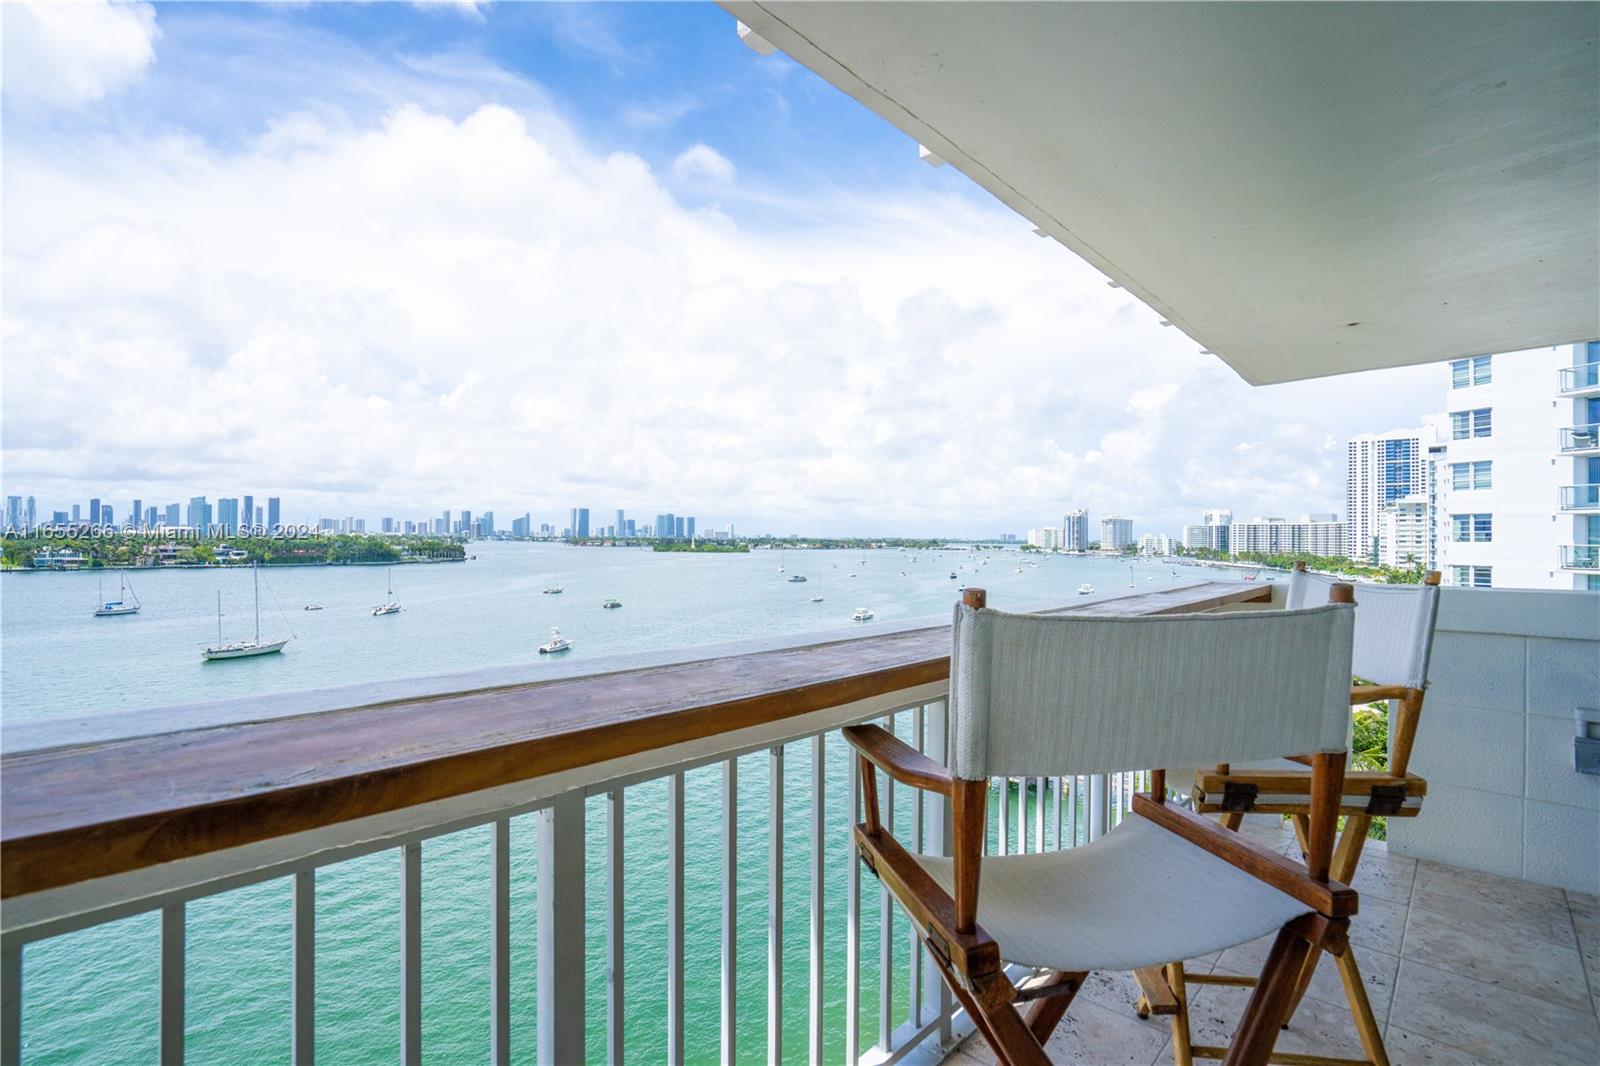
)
(1581, 380)
(1580, 440)
(1581, 557)
(1580, 498)
(588, 917)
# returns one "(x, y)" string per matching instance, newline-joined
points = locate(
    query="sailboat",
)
(391, 605)
(244, 649)
(119, 606)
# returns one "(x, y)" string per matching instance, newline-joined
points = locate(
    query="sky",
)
(389, 259)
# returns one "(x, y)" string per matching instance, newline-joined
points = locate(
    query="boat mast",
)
(219, 618)
(255, 576)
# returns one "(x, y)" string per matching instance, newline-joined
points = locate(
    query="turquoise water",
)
(91, 997)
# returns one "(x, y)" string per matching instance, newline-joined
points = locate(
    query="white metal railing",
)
(909, 1013)
(1580, 438)
(1580, 497)
(1580, 378)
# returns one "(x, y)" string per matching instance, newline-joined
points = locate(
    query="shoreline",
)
(218, 566)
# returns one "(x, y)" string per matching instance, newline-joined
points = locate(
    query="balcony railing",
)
(98, 830)
(1580, 497)
(1580, 557)
(1579, 440)
(1585, 377)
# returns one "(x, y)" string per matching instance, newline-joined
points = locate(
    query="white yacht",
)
(244, 649)
(816, 599)
(553, 590)
(796, 578)
(556, 643)
(1085, 589)
(120, 606)
(390, 605)
(611, 605)
(861, 615)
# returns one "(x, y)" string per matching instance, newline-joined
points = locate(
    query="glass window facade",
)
(1472, 528)
(1475, 371)
(1475, 423)
(1478, 475)
(1474, 577)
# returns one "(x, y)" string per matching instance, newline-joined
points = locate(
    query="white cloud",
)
(702, 161)
(475, 309)
(69, 54)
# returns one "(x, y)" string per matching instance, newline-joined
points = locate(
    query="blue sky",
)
(382, 259)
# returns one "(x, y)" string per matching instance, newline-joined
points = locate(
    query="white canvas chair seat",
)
(1139, 896)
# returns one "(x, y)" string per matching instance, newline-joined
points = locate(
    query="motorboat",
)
(556, 643)
(611, 605)
(313, 607)
(862, 615)
(553, 590)
(797, 578)
(1085, 589)
(952, 575)
(816, 599)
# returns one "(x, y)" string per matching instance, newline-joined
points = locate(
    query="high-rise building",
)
(519, 526)
(632, 528)
(1212, 533)
(1380, 469)
(622, 522)
(1045, 537)
(1311, 534)
(94, 511)
(274, 517)
(136, 513)
(30, 514)
(106, 516)
(486, 524)
(260, 518)
(1218, 516)
(151, 516)
(199, 516)
(1116, 533)
(172, 518)
(1404, 532)
(1518, 483)
(1155, 544)
(247, 510)
(1075, 531)
(359, 525)
(388, 525)
(688, 528)
(77, 515)
(581, 530)
(464, 527)
(58, 518)
(678, 527)
(666, 526)
(13, 512)
(228, 515)
(572, 523)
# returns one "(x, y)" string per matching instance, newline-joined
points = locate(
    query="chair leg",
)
(1181, 1053)
(1269, 1002)
(1009, 1037)
(1348, 853)
(1232, 820)
(1302, 832)
(1043, 1015)
(1361, 1009)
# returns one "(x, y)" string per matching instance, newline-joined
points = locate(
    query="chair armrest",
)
(1374, 693)
(898, 759)
(1328, 898)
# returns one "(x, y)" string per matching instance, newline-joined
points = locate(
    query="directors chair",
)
(1393, 643)
(1045, 696)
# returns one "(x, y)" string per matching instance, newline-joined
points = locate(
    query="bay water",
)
(93, 996)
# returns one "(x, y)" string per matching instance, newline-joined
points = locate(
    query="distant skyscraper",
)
(272, 512)
(106, 518)
(487, 522)
(678, 527)
(13, 512)
(199, 515)
(30, 516)
(1380, 469)
(1116, 533)
(1075, 531)
(247, 510)
(228, 515)
(151, 516)
(172, 515)
(688, 526)
(581, 530)
(388, 525)
(58, 518)
(1218, 516)
(632, 528)
(94, 511)
(260, 518)
(77, 512)
(360, 526)
(137, 513)
(572, 523)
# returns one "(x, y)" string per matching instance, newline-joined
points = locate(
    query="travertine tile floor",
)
(1461, 967)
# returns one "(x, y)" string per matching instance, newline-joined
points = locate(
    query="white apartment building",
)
(1405, 532)
(1212, 533)
(1310, 535)
(1155, 544)
(1075, 531)
(1046, 537)
(1518, 482)
(1380, 469)
(1116, 533)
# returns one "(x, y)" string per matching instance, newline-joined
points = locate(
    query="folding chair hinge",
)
(937, 945)
(1386, 799)
(1239, 795)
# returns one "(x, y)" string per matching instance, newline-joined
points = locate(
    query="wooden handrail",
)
(96, 809)
(898, 759)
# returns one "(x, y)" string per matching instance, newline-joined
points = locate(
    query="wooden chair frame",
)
(969, 959)
(1232, 795)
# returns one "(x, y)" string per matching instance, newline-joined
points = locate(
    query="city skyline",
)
(795, 353)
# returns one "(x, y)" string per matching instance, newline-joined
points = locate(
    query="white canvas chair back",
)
(1394, 626)
(1041, 696)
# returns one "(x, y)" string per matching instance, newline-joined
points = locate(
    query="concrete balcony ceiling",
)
(1303, 189)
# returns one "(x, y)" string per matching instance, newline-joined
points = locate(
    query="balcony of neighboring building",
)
(1584, 558)
(1581, 380)
(1580, 440)
(1582, 499)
